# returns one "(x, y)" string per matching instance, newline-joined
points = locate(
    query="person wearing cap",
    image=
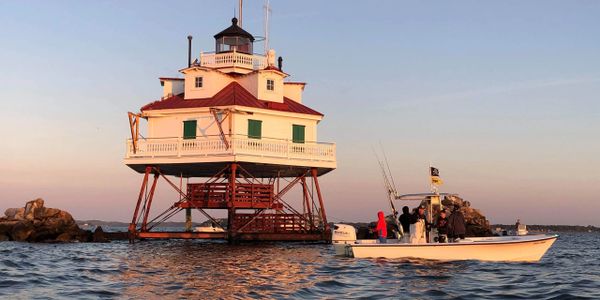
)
(456, 225)
(442, 227)
(418, 226)
(418, 214)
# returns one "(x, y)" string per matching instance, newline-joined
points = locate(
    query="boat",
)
(522, 230)
(208, 228)
(515, 248)
(529, 248)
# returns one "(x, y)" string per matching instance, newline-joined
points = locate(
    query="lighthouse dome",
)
(234, 38)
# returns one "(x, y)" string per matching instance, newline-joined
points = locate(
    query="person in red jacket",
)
(381, 228)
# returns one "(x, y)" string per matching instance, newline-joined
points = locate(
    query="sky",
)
(502, 97)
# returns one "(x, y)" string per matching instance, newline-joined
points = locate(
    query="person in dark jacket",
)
(442, 227)
(456, 225)
(405, 220)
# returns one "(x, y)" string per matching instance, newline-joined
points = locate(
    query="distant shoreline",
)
(551, 228)
(532, 227)
(126, 224)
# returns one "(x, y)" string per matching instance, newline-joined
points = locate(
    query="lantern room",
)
(234, 38)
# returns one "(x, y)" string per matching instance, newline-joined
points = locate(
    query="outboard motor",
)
(342, 234)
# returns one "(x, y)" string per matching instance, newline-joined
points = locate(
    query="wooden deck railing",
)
(233, 59)
(239, 145)
(219, 195)
(274, 223)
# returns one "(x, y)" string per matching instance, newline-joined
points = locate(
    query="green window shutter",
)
(254, 129)
(298, 133)
(189, 129)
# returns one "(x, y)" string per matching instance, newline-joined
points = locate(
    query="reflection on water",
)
(218, 270)
(199, 269)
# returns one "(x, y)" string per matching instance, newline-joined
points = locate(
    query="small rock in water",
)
(99, 236)
(7, 226)
(14, 213)
(36, 223)
(11, 212)
(22, 230)
(64, 237)
(48, 212)
(31, 206)
(3, 237)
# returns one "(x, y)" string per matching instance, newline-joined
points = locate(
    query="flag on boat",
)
(435, 176)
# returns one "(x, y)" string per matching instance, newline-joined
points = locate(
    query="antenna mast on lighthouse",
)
(267, 11)
(240, 6)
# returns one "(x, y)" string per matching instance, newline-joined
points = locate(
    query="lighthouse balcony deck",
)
(233, 59)
(205, 152)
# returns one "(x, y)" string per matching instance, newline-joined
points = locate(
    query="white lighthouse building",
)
(232, 126)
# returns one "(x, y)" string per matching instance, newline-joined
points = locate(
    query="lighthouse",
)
(232, 133)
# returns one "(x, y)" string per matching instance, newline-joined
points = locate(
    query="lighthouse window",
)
(198, 82)
(254, 129)
(298, 133)
(270, 85)
(189, 129)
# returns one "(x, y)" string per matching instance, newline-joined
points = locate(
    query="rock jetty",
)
(476, 223)
(36, 223)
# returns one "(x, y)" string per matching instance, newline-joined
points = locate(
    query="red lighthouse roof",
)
(232, 94)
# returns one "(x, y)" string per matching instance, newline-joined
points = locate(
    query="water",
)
(198, 269)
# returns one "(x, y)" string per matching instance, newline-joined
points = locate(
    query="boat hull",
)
(517, 248)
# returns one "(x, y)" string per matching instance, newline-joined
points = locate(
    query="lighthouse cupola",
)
(234, 38)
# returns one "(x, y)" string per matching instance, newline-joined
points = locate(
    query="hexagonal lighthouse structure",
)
(239, 134)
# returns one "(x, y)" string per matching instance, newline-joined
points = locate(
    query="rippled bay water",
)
(202, 270)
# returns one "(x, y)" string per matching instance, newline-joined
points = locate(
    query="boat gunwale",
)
(547, 237)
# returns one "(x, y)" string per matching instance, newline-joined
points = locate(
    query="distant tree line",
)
(546, 228)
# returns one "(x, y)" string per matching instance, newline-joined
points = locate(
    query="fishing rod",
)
(390, 186)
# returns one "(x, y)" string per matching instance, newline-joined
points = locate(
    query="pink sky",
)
(505, 102)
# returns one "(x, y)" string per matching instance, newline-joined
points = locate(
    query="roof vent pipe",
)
(189, 51)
